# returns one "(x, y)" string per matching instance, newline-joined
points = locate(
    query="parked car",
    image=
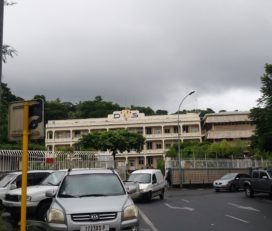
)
(151, 183)
(37, 202)
(93, 199)
(13, 180)
(230, 181)
(259, 182)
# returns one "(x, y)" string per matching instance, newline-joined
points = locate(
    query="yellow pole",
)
(24, 166)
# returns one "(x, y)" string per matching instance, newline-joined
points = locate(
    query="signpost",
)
(26, 120)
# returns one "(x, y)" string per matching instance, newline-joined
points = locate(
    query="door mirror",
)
(264, 177)
(50, 193)
(12, 186)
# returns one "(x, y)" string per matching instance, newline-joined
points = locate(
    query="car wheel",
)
(149, 196)
(232, 188)
(248, 191)
(42, 210)
(217, 190)
(162, 194)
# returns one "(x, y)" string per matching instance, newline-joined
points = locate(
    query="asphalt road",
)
(205, 210)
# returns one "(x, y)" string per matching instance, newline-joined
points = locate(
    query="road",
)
(205, 210)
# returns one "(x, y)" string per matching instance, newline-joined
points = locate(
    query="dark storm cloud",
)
(140, 52)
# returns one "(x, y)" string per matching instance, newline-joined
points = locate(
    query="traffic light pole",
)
(24, 166)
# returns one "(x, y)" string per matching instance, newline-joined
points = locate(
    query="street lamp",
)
(190, 93)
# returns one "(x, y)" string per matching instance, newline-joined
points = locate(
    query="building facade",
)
(160, 132)
(227, 126)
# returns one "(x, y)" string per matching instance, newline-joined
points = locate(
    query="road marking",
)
(244, 207)
(183, 208)
(185, 201)
(147, 221)
(235, 218)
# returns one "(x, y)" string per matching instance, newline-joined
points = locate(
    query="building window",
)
(157, 131)
(131, 163)
(158, 146)
(141, 161)
(148, 131)
(176, 129)
(167, 130)
(149, 145)
(167, 146)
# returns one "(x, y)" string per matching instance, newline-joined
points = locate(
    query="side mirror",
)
(237, 178)
(264, 177)
(131, 189)
(12, 186)
(50, 193)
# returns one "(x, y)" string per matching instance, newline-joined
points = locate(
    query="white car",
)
(13, 180)
(37, 202)
(151, 183)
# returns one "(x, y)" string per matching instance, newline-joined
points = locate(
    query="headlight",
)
(130, 212)
(55, 216)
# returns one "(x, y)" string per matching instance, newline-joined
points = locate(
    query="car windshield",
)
(228, 176)
(54, 178)
(87, 185)
(140, 177)
(270, 173)
(7, 179)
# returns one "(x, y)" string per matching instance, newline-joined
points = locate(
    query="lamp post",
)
(190, 93)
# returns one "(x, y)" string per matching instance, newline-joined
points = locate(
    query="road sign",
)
(36, 120)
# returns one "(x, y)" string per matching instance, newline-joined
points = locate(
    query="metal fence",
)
(11, 160)
(218, 163)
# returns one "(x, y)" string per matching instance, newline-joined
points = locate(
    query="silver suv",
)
(93, 199)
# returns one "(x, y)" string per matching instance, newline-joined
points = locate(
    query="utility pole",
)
(1, 49)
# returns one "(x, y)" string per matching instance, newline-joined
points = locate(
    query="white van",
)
(151, 183)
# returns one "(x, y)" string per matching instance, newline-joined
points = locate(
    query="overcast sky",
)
(140, 52)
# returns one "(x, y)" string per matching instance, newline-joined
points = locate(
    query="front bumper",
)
(14, 207)
(114, 225)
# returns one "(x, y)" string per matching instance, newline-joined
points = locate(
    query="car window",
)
(36, 178)
(255, 175)
(140, 177)
(262, 174)
(154, 179)
(228, 176)
(5, 180)
(91, 185)
(270, 173)
(18, 181)
(54, 178)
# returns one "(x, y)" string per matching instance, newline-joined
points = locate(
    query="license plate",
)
(94, 228)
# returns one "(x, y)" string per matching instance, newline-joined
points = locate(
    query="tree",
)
(114, 140)
(161, 112)
(261, 116)
(146, 110)
(5, 100)
(96, 108)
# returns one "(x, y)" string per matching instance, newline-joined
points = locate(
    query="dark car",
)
(230, 182)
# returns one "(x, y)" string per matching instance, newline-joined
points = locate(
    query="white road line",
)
(185, 201)
(235, 218)
(147, 221)
(183, 208)
(244, 207)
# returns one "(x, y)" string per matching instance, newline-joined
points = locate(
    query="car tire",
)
(149, 196)
(248, 191)
(42, 210)
(162, 194)
(217, 190)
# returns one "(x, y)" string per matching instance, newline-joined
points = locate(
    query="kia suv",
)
(93, 199)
